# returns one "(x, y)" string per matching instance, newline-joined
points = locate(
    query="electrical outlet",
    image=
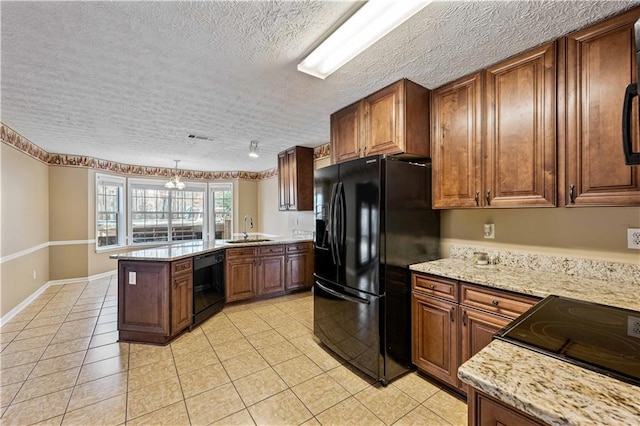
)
(633, 326)
(489, 230)
(633, 238)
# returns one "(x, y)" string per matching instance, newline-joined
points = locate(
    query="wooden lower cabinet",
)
(435, 337)
(155, 300)
(447, 332)
(299, 266)
(477, 331)
(487, 411)
(267, 270)
(270, 274)
(240, 274)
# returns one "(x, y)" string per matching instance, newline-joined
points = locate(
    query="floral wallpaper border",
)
(14, 139)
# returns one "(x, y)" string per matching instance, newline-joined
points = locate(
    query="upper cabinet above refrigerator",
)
(393, 120)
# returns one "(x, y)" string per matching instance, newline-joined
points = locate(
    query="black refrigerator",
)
(374, 218)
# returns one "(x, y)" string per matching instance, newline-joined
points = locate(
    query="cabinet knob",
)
(477, 198)
(488, 197)
(495, 303)
(453, 308)
(464, 318)
(432, 286)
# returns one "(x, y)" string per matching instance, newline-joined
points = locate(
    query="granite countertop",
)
(549, 389)
(194, 248)
(554, 391)
(535, 282)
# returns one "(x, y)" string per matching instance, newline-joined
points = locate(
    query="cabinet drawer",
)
(435, 286)
(241, 252)
(268, 250)
(499, 302)
(298, 247)
(181, 267)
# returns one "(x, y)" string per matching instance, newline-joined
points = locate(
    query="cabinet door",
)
(240, 278)
(435, 337)
(600, 63)
(383, 129)
(181, 302)
(477, 330)
(345, 134)
(520, 156)
(270, 274)
(292, 180)
(299, 270)
(456, 115)
(283, 181)
(143, 297)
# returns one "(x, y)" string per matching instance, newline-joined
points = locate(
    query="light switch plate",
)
(132, 278)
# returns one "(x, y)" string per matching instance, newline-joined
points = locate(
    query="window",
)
(158, 214)
(221, 195)
(109, 211)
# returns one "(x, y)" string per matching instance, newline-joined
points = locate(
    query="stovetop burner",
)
(598, 337)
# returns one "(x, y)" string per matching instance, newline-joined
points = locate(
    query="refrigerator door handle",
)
(332, 221)
(348, 298)
(342, 235)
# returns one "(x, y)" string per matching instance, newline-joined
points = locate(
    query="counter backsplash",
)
(585, 268)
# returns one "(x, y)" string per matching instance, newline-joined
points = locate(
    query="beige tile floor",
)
(256, 363)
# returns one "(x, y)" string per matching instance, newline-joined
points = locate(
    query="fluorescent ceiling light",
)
(374, 20)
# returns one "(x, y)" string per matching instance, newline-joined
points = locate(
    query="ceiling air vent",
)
(203, 138)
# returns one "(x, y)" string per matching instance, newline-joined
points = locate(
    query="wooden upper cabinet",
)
(456, 117)
(393, 120)
(295, 179)
(346, 134)
(520, 143)
(600, 62)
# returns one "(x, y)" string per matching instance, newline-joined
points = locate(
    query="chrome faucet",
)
(245, 225)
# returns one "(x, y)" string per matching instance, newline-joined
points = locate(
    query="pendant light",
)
(174, 181)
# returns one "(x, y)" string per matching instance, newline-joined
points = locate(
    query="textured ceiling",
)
(128, 81)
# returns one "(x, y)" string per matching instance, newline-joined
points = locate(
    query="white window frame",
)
(211, 187)
(104, 179)
(159, 184)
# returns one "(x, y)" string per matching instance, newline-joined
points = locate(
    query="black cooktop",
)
(597, 337)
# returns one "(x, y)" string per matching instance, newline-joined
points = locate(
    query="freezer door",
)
(358, 225)
(348, 323)
(325, 253)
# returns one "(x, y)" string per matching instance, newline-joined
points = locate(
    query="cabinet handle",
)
(464, 318)
(477, 198)
(453, 308)
(175, 283)
(494, 303)
(432, 286)
(572, 190)
(365, 150)
(487, 197)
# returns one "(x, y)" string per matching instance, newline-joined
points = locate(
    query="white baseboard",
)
(15, 311)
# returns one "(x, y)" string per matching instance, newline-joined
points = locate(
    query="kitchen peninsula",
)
(161, 289)
(513, 384)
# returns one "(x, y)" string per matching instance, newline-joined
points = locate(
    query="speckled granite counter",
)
(535, 282)
(551, 390)
(193, 248)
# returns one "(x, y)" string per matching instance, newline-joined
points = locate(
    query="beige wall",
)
(277, 222)
(24, 226)
(591, 232)
(245, 202)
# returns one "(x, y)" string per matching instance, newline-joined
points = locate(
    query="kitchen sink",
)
(248, 240)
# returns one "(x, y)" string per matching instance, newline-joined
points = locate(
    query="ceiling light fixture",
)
(253, 149)
(374, 20)
(174, 181)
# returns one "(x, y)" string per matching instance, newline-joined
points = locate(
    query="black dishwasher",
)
(208, 285)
